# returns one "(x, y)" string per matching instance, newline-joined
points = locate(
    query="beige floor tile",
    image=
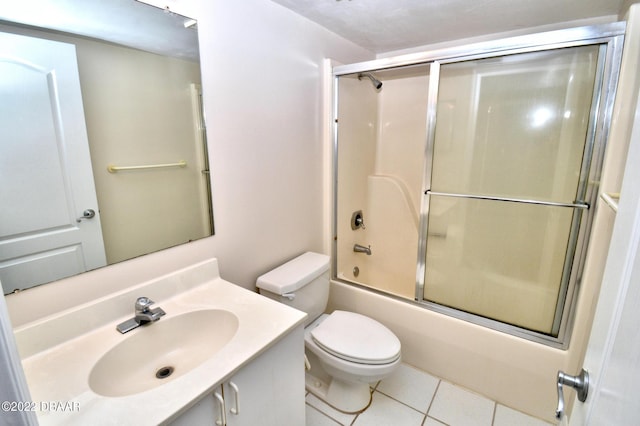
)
(317, 418)
(385, 411)
(340, 417)
(456, 406)
(410, 386)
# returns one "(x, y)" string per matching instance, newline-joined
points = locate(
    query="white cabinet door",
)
(207, 411)
(269, 391)
(46, 178)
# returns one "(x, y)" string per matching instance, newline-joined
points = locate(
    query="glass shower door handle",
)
(575, 205)
(580, 383)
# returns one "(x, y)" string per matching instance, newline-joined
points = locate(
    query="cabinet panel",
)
(271, 388)
(205, 412)
(268, 391)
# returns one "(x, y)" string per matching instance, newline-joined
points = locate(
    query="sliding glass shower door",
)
(510, 161)
(465, 182)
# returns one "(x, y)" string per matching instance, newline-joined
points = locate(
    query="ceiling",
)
(377, 25)
(126, 22)
(386, 25)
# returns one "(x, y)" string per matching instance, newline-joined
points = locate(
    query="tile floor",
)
(411, 397)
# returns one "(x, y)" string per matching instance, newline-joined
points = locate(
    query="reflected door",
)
(46, 181)
(510, 159)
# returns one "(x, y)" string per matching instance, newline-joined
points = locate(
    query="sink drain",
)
(164, 372)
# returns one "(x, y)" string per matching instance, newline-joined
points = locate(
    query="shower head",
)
(376, 83)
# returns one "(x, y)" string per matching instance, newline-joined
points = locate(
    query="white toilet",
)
(346, 351)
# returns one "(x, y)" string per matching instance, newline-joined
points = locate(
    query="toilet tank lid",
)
(294, 274)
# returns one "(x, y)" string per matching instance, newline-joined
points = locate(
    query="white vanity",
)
(221, 355)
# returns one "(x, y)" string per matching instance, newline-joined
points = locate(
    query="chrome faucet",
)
(142, 315)
(362, 249)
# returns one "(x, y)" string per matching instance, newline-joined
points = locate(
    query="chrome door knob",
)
(87, 214)
(580, 383)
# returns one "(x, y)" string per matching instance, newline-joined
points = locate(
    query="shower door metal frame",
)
(610, 39)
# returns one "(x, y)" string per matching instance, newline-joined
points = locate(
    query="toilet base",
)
(348, 397)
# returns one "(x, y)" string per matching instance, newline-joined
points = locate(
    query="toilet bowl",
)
(347, 351)
(350, 363)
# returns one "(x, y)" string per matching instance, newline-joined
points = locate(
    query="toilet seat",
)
(356, 338)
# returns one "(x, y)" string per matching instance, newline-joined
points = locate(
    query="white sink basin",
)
(160, 352)
(212, 329)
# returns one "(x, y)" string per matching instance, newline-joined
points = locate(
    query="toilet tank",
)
(302, 283)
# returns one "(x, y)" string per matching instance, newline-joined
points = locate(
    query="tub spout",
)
(362, 249)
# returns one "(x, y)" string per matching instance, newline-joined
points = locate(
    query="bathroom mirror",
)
(146, 153)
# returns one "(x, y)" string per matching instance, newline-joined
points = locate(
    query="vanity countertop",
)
(59, 352)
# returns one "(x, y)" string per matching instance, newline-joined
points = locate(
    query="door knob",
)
(87, 214)
(580, 383)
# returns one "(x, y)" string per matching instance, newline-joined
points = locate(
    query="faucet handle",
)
(143, 303)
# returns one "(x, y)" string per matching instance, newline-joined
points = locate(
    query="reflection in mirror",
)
(103, 150)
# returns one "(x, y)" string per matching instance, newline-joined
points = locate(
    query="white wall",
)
(262, 75)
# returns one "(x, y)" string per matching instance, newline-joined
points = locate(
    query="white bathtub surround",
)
(478, 358)
(58, 352)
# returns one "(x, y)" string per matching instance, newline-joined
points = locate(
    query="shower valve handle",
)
(580, 383)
